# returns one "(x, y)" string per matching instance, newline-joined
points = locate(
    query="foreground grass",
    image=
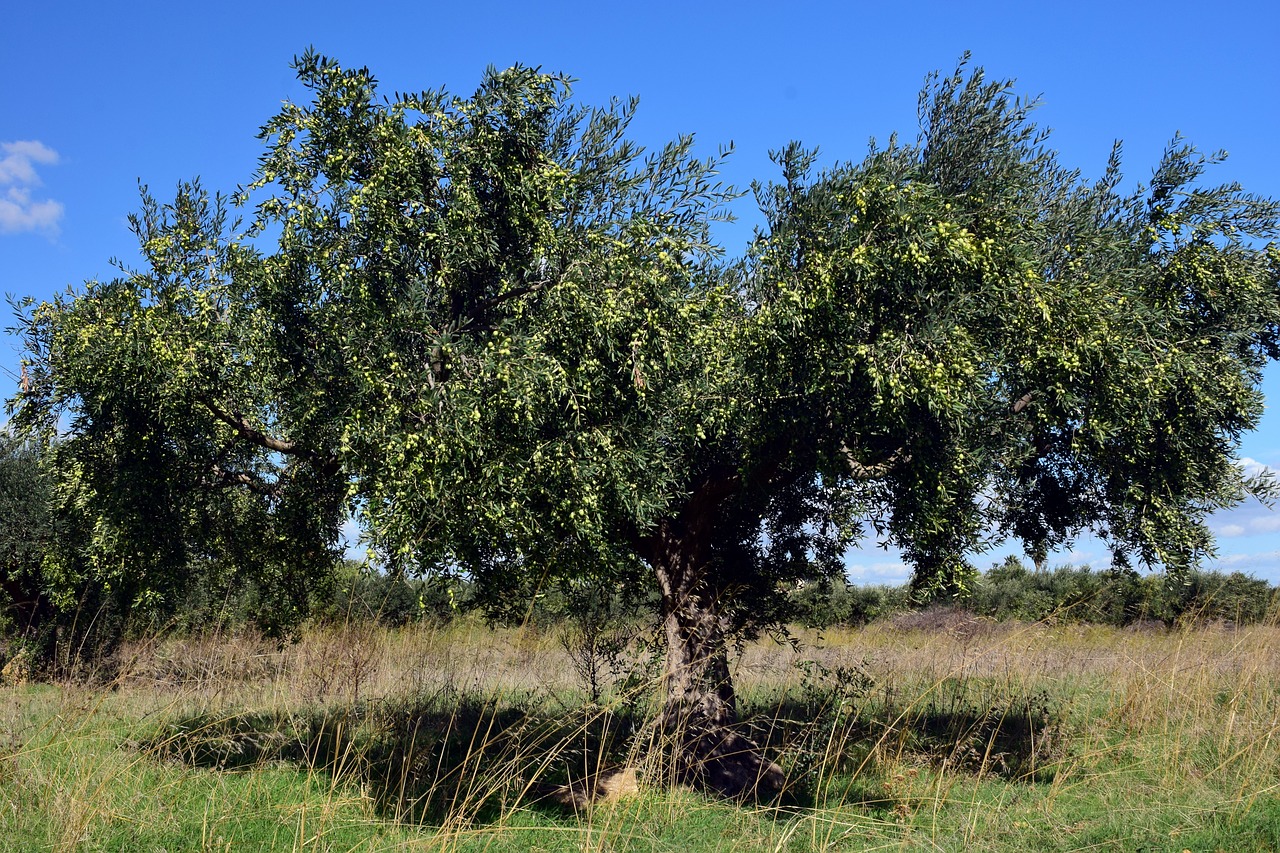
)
(955, 735)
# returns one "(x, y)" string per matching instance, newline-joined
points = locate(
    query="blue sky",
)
(98, 97)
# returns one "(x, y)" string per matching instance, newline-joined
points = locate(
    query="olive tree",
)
(500, 332)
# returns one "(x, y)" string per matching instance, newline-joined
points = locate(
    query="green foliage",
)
(360, 594)
(156, 489)
(498, 332)
(973, 338)
(831, 602)
(27, 532)
(501, 296)
(1009, 591)
(1120, 597)
(1199, 597)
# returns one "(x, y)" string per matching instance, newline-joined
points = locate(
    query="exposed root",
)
(608, 785)
(722, 761)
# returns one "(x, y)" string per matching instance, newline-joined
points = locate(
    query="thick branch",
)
(240, 478)
(861, 471)
(514, 293)
(251, 434)
(256, 436)
(690, 528)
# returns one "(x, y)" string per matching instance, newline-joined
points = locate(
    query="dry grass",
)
(345, 664)
(939, 732)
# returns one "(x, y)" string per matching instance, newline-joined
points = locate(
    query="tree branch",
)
(251, 434)
(256, 436)
(240, 478)
(862, 471)
(514, 293)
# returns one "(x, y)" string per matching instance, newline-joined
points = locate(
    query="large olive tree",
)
(497, 331)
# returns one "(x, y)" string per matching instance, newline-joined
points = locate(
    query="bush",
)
(827, 603)
(1201, 597)
(1119, 596)
(360, 594)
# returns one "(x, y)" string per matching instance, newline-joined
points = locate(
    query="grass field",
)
(929, 733)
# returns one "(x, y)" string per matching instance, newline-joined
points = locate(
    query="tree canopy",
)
(499, 332)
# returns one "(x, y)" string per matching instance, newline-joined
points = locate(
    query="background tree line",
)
(1011, 591)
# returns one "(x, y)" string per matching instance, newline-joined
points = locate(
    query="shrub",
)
(827, 603)
(1119, 596)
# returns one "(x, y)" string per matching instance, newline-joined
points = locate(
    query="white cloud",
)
(16, 166)
(18, 210)
(1239, 559)
(1265, 524)
(1253, 468)
(1250, 518)
(878, 573)
(1264, 565)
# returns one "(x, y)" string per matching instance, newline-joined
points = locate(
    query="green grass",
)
(77, 782)
(967, 736)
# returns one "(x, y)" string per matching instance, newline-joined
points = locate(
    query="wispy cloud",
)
(1262, 564)
(19, 211)
(1264, 557)
(1252, 467)
(877, 573)
(1250, 518)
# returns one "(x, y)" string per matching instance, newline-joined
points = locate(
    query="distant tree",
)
(504, 337)
(27, 534)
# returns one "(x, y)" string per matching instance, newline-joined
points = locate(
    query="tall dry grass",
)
(941, 729)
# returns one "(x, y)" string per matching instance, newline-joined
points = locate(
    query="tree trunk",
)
(699, 717)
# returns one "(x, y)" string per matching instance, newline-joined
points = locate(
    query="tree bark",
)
(699, 718)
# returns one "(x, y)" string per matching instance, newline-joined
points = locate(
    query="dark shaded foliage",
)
(27, 531)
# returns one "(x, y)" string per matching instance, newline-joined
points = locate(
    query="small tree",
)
(27, 535)
(506, 339)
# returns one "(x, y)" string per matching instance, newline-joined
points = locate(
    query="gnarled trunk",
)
(699, 717)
